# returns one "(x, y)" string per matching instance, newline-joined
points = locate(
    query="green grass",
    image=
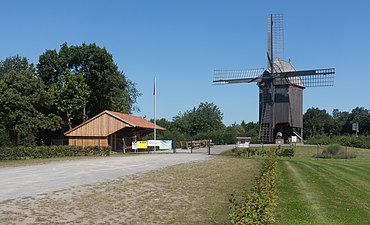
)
(323, 191)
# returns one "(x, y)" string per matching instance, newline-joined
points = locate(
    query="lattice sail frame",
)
(275, 39)
(320, 79)
(237, 76)
(308, 78)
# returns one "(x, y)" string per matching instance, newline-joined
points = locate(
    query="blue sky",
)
(182, 42)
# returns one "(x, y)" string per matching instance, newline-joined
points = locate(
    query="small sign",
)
(154, 143)
(142, 144)
(355, 127)
(134, 145)
(166, 144)
(162, 144)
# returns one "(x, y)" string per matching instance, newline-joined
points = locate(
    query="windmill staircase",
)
(266, 128)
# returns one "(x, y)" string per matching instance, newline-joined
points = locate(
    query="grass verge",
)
(324, 191)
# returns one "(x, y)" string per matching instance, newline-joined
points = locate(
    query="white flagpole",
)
(155, 109)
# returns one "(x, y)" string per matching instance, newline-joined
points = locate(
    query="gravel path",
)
(37, 179)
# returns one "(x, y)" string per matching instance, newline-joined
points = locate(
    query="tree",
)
(316, 121)
(207, 117)
(110, 89)
(340, 123)
(362, 116)
(251, 128)
(14, 63)
(24, 104)
(71, 95)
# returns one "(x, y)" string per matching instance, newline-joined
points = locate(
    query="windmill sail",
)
(237, 76)
(310, 78)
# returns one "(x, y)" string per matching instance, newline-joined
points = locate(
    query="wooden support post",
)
(115, 141)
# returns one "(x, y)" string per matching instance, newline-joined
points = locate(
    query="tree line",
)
(40, 102)
(205, 122)
(319, 122)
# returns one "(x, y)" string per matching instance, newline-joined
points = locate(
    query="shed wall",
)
(87, 141)
(99, 127)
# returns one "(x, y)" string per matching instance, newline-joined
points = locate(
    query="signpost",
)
(155, 109)
(356, 128)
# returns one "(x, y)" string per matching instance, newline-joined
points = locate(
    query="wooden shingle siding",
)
(88, 141)
(103, 125)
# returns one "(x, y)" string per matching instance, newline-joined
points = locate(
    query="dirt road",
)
(37, 179)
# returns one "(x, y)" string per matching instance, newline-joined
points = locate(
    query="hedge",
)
(350, 141)
(258, 204)
(38, 152)
(249, 152)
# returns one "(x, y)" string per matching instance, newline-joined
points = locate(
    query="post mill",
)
(280, 88)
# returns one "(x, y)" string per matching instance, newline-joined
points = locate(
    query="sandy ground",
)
(37, 179)
(146, 193)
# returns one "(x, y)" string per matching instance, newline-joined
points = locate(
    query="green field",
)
(323, 191)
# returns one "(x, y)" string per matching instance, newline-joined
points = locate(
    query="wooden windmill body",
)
(280, 88)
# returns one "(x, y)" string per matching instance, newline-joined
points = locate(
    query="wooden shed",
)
(110, 128)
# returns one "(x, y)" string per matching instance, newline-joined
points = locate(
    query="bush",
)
(257, 205)
(335, 151)
(249, 152)
(22, 152)
(285, 152)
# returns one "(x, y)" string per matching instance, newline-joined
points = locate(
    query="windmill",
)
(280, 87)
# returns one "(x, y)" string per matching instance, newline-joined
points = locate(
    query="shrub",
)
(22, 152)
(249, 152)
(258, 204)
(335, 151)
(284, 152)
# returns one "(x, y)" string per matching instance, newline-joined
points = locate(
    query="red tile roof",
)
(134, 120)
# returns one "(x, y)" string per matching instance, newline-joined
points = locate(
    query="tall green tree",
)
(362, 116)
(24, 105)
(71, 95)
(206, 117)
(110, 89)
(14, 63)
(316, 121)
(251, 128)
(341, 124)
